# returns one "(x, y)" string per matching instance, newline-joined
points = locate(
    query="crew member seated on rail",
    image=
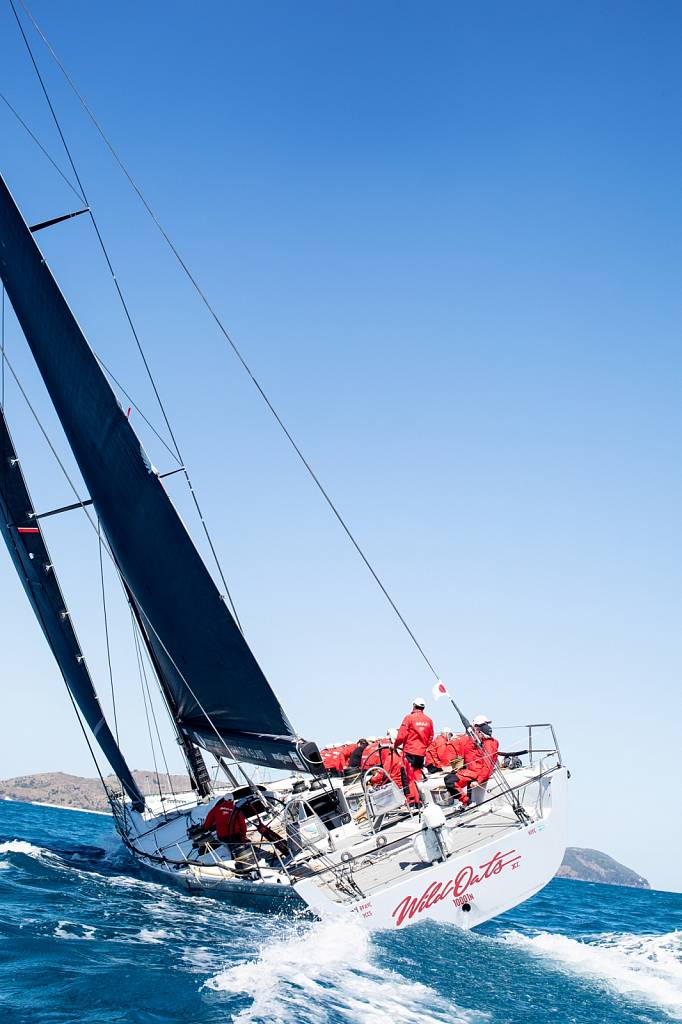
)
(480, 760)
(414, 736)
(229, 823)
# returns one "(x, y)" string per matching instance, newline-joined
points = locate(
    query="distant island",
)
(62, 790)
(585, 865)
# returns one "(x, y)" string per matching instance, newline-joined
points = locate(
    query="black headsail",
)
(32, 561)
(221, 697)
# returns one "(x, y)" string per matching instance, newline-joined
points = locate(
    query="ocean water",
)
(85, 936)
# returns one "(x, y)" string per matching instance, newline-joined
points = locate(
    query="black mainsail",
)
(221, 699)
(28, 551)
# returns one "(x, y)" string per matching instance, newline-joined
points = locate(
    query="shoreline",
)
(58, 807)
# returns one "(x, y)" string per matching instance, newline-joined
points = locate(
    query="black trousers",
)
(416, 760)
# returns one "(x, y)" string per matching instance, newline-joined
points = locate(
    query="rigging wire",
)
(40, 146)
(137, 409)
(125, 308)
(81, 501)
(146, 714)
(140, 648)
(228, 338)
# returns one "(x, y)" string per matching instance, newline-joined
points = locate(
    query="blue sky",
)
(447, 239)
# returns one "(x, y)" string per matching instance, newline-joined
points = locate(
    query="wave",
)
(20, 846)
(324, 971)
(647, 967)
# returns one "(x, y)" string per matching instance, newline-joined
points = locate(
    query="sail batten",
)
(35, 569)
(217, 686)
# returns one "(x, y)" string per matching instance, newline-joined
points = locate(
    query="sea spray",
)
(325, 971)
(646, 967)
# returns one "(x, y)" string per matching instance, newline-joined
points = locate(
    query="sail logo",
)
(455, 888)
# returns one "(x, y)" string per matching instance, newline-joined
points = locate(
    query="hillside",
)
(580, 864)
(586, 865)
(74, 791)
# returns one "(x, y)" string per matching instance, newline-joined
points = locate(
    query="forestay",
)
(220, 695)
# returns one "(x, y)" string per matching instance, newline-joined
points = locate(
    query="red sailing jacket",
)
(228, 821)
(479, 764)
(435, 752)
(415, 733)
(444, 750)
(333, 759)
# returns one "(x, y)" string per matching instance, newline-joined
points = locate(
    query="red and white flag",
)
(440, 690)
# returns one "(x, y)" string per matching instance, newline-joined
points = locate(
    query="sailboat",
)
(353, 847)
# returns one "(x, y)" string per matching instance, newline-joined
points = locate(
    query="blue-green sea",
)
(84, 936)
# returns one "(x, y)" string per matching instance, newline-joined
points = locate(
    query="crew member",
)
(414, 736)
(356, 755)
(480, 760)
(333, 760)
(230, 827)
(347, 749)
(395, 767)
(370, 755)
(436, 757)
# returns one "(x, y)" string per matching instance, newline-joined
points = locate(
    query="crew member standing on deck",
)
(414, 736)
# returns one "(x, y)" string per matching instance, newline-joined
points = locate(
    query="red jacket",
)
(228, 821)
(479, 764)
(444, 750)
(415, 733)
(333, 759)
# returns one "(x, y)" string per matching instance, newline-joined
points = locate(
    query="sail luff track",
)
(221, 695)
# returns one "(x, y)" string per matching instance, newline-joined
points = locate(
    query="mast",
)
(222, 700)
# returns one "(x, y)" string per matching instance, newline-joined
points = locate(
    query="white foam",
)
(326, 969)
(645, 967)
(70, 930)
(19, 846)
(153, 935)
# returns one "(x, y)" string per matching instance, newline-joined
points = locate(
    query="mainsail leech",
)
(222, 697)
(32, 561)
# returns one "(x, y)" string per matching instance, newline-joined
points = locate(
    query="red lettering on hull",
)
(465, 879)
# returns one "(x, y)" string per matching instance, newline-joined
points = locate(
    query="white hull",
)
(469, 888)
(489, 861)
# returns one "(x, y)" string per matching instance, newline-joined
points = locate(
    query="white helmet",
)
(419, 702)
(392, 734)
(482, 720)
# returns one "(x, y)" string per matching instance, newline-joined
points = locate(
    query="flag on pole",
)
(440, 690)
